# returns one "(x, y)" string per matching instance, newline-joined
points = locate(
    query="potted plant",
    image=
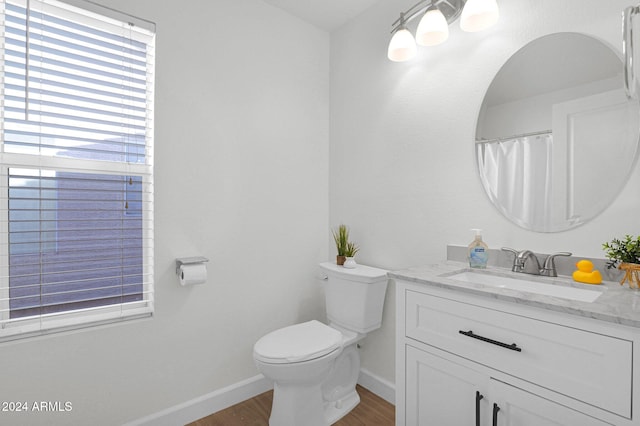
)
(341, 237)
(625, 255)
(351, 251)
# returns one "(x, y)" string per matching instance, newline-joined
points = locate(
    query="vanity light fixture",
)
(433, 29)
(402, 46)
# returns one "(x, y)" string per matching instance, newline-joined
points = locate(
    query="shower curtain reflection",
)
(517, 175)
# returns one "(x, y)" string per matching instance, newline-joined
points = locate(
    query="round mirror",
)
(557, 137)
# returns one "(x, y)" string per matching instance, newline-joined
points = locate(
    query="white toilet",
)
(315, 367)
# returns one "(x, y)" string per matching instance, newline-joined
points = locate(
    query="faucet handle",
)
(515, 252)
(515, 267)
(549, 268)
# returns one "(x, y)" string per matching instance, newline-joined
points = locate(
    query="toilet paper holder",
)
(189, 261)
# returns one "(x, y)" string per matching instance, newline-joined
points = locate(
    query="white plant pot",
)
(350, 263)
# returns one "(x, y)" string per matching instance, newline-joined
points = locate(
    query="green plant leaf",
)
(352, 249)
(619, 251)
(341, 238)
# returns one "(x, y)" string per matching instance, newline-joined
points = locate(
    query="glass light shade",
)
(402, 46)
(478, 15)
(433, 28)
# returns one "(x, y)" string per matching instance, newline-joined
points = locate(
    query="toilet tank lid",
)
(297, 343)
(359, 273)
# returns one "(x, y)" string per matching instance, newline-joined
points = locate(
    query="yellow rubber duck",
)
(586, 274)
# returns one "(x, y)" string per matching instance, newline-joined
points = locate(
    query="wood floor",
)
(372, 411)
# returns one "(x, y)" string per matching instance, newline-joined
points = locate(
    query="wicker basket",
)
(631, 271)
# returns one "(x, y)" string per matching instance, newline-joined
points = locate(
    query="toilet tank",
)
(355, 297)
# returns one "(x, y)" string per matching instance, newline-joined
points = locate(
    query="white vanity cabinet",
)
(465, 359)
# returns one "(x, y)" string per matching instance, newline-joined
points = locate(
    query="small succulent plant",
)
(343, 245)
(341, 237)
(619, 251)
(352, 249)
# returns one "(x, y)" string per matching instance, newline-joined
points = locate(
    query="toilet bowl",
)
(297, 359)
(314, 366)
(339, 386)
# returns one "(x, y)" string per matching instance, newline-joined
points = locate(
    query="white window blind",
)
(76, 167)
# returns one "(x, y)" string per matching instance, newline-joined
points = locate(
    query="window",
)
(76, 167)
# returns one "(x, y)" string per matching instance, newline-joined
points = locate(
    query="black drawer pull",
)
(512, 346)
(495, 414)
(479, 396)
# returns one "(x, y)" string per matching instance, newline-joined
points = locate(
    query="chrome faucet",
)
(526, 262)
(549, 267)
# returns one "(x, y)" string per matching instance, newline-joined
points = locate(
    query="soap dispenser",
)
(478, 251)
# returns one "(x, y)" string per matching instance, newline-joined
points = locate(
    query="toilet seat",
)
(297, 343)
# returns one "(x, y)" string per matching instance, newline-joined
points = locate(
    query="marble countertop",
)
(617, 304)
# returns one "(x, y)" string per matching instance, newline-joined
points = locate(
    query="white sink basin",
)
(522, 284)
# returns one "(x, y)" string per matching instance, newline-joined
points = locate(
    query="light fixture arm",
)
(402, 22)
(451, 9)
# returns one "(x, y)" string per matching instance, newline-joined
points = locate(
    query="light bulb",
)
(433, 28)
(402, 46)
(478, 15)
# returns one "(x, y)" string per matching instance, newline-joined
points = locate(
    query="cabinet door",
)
(440, 392)
(516, 407)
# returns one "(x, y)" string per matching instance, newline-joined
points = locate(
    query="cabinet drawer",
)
(589, 367)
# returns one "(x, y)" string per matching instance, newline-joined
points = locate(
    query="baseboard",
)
(205, 405)
(220, 399)
(376, 384)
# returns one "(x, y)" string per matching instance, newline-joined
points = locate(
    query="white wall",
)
(402, 171)
(241, 162)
